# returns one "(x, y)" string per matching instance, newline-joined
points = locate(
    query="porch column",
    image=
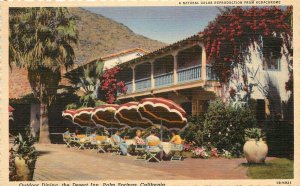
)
(175, 78)
(203, 63)
(133, 78)
(152, 83)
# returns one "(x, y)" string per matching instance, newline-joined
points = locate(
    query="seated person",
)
(176, 139)
(138, 140)
(67, 131)
(76, 132)
(67, 135)
(152, 141)
(120, 142)
(93, 135)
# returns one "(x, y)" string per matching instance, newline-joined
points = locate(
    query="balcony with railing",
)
(143, 84)
(163, 80)
(189, 74)
(128, 87)
(184, 75)
(181, 69)
(210, 75)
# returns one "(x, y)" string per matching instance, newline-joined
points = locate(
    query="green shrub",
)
(194, 131)
(224, 126)
(23, 148)
(71, 106)
(254, 133)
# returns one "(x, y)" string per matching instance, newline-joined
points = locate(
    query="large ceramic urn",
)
(24, 172)
(255, 151)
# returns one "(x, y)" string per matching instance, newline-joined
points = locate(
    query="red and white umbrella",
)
(127, 114)
(103, 116)
(83, 117)
(69, 114)
(80, 117)
(164, 112)
(10, 110)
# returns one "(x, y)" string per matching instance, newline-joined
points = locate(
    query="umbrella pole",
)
(161, 131)
(161, 139)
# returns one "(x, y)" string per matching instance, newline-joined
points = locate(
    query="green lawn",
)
(280, 168)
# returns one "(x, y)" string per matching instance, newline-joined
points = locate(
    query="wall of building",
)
(263, 79)
(267, 84)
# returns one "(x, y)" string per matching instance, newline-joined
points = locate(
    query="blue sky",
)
(166, 24)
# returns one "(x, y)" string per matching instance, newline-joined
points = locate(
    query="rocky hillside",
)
(100, 36)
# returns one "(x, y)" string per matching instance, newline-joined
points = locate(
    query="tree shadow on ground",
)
(42, 153)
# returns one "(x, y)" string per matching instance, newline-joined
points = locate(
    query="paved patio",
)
(56, 162)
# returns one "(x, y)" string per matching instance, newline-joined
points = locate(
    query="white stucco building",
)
(267, 74)
(182, 73)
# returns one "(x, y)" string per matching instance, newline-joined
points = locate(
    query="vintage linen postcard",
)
(150, 93)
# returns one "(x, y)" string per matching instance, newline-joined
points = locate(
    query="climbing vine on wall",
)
(110, 85)
(227, 39)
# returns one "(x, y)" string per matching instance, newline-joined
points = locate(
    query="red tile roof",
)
(194, 38)
(18, 83)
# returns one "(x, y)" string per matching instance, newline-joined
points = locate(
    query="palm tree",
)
(86, 84)
(40, 41)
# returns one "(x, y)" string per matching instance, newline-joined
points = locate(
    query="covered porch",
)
(174, 69)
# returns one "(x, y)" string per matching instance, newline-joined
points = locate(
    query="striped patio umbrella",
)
(10, 110)
(80, 117)
(127, 114)
(103, 116)
(69, 114)
(164, 112)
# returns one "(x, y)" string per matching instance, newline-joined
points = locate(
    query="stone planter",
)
(24, 172)
(255, 151)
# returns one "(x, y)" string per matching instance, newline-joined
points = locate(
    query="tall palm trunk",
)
(44, 124)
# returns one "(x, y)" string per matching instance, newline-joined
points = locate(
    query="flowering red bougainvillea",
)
(110, 85)
(227, 39)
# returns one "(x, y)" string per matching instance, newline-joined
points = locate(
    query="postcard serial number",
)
(284, 182)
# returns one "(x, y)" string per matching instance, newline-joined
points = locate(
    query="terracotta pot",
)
(255, 151)
(24, 173)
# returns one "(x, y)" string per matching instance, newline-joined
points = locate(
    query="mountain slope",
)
(100, 36)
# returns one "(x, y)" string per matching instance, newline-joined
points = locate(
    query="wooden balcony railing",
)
(183, 76)
(210, 75)
(129, 87)
(162, 80)
(142, 84)
(189, 74)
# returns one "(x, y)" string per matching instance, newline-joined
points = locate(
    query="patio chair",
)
(141, 152)
(152, 150)
(176, 150)
(81, 140)
(115, 148)
(100, 142)
(73, 140)
(67, 139)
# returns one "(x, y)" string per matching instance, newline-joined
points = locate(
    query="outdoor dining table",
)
(130, 142)
(166, 146)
